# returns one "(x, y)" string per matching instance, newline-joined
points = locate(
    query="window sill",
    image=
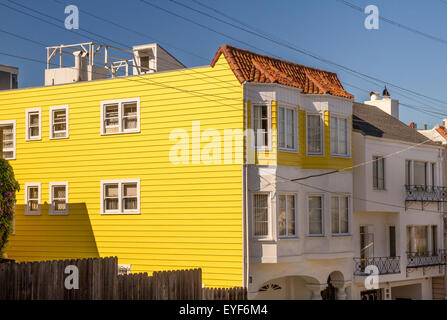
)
(316, 236)
(260, 239)
(32, 214)
(58, 214)
(340, 235)
(380, 190)
(288, 150)
(34, 139)
(116, 133)
(315, 154)
(58, 138)
(346, 156)
(283, 238)
(120, 213)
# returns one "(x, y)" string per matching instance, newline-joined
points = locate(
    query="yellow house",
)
(163, 170)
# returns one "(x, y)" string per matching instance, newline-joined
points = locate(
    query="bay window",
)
(261, 215)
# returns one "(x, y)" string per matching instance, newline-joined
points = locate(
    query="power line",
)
(294, 48)
(396, 24)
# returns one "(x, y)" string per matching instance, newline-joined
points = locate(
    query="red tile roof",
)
(442, 131)
(252, 67)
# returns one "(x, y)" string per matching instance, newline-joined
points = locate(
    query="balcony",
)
(386, 265)
(425, 193)
(426, 259)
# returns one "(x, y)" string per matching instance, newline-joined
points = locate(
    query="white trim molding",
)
(120, 103)
(120, 196)
(13, 149)
(268, 104)
(30, 185)
(51, 207)
(27, 124)
(58, 108)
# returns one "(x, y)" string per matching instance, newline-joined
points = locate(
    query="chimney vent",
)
(425, 126)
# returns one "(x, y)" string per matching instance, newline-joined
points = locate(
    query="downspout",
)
(245, 198)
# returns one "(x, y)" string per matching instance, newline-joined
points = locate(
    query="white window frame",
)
(120, 103)
(7, 123)
(269, 134)
(27, 211)
(340, 195)
(120, 209)
(348, 135)
(56, 108)
(383, 159)
(295, 195)
(269, 216)
(323, 208)
(52, 211)
(321, 115)
(27, 135)
(295, 127)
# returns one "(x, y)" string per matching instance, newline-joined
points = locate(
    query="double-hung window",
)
(120, 116)
(314, 134)
(287, 215)
(261, 126)
(261, 215)
(32, 198)
(120, 196)
(378, 173)
(59, 122)
(315, 204)
(339, 136)
(33, 124)
(58, 198)
(340, 214)
(9, 139)
(287, 128)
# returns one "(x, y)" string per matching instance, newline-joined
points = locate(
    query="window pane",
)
(60, 205)
(407, 172)
(34, 131)
(342, 137)
(344, 214)
(111, 120)
(282, 215)
(435, 239)
(33, 205)
(111, 190)
(433, 174)
(33, 193)
(315, 217)
(261, 214)
(420, 239)
(59, 192)
(419, 173)
(130, 116)
(130, 203)
(392, 230)
(260, 126)
(281, 128)
(314, 133)
(334, 135)
(335, 215)
(290, 215)
(130, 189)
(111, 204)
(33, 118)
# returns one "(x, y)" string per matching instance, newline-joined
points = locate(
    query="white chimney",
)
(390, 106)
(444, 122)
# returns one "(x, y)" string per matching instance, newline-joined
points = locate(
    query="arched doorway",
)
(330, 292)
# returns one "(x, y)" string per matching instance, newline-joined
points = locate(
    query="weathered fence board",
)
(99, 280)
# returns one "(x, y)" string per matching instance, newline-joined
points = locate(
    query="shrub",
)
(8, 189)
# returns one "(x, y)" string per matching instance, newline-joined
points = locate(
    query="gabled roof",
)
(252, 67)
(372, 121)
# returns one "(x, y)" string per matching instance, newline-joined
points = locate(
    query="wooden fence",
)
(99, 280)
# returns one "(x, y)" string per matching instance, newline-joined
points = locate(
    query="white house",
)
(398, 204)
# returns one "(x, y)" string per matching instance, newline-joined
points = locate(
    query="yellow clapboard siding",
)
(191, 214)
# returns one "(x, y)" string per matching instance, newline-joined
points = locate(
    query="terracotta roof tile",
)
(442, 131)
(252, 67)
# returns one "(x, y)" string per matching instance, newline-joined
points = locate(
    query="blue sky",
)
(325, 27)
